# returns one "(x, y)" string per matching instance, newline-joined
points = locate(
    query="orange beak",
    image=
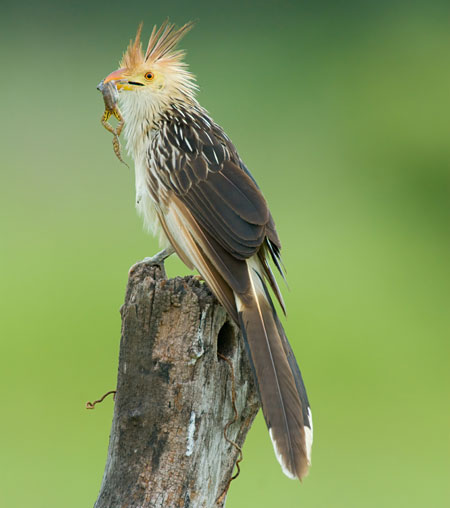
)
(119, 78)
(115, 76)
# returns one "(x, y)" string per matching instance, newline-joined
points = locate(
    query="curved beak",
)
(115, 76)
(119, 79)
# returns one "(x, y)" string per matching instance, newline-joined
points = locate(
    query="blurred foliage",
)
(340, 110)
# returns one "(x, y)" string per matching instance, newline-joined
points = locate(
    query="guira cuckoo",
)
(193, 189)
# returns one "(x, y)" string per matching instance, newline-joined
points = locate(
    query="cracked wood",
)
(167, 446)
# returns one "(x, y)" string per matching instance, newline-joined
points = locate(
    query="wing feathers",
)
(271, 278)
(249, 234)
(196, 161)
(232, 270)
(242, 194)
(223, 234)
(199, 167)
(179, 227)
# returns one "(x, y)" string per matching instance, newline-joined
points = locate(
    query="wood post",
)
(171, 437)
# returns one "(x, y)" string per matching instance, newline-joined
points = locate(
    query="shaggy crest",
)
(161, 46)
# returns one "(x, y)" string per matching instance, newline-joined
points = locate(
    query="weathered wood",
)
(174, 397)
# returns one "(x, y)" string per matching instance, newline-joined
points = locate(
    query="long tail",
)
(282, 392)
(239, 285)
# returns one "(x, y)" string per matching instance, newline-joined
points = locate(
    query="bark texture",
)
(174, 397)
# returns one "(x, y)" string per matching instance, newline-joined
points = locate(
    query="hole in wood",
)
(226, 340)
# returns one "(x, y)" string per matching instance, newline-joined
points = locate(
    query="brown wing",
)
(195, 159)
(200, 165)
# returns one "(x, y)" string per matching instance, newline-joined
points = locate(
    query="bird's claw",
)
(156, 260)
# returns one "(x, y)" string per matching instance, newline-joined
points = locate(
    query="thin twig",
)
(91, 405)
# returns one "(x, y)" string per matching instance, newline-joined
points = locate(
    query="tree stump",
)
(170, 442)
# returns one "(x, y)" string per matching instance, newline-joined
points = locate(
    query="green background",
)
(341, 111)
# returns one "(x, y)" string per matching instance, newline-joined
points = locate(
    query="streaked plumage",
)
(194, 190)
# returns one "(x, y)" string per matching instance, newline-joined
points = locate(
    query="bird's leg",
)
(157, 259)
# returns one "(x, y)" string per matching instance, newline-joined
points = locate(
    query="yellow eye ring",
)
(149, 76)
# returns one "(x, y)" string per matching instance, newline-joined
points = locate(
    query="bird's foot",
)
(156, 260)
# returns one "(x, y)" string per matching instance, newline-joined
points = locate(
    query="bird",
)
(194, 191)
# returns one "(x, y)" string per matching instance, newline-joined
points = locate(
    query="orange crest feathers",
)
(161, 45)
(133, 56)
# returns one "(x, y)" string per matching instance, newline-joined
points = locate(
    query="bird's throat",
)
(140, 112)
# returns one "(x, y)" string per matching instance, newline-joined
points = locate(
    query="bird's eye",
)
(149, 76)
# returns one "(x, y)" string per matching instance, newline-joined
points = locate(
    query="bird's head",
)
(160, 72)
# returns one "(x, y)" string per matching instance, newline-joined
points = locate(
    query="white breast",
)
(144, 202)
(138, 113)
